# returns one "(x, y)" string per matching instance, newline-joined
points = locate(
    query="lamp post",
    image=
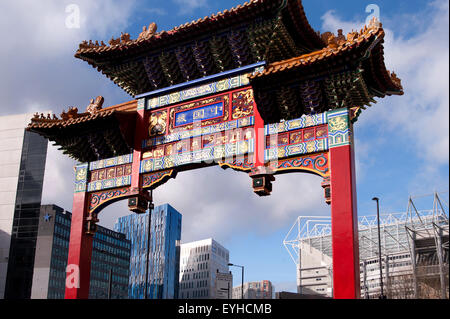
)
(150, 209)
(379, 247)
(242, 286)
(110, 275)
(110, 283)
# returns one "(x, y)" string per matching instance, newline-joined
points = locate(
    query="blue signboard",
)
(199, 114)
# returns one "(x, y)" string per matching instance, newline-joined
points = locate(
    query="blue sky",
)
(402, 143)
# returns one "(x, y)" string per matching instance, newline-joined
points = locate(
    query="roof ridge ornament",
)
(123, 39)
(41, 117)
(352, 36)
(148, 32)
(397, 81)
(89, 45)
(95, 106)
(333, 42)
(374, 23)
(72, 113)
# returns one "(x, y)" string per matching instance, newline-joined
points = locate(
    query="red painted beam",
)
(344, 224)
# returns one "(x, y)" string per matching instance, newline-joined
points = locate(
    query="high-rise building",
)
(200, 261)
(110, 258)
(254, 290)
(22, 165)
(163, 257)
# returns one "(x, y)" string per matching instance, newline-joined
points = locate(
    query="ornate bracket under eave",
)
(155, 179)
(138, 203)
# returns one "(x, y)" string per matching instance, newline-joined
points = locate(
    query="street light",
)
(242, 286)
(150, 209)
(379, 247)
(110, 275)
(110, 283)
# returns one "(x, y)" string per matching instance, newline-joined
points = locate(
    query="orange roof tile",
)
(77, 118)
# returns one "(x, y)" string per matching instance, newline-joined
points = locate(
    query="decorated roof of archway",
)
(94, 134)
(349, 72)
(258, 30)
(304, 72)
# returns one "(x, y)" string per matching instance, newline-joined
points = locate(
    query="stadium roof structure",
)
(395, 228)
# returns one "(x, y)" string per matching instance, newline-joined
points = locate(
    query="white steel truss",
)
(396, 230)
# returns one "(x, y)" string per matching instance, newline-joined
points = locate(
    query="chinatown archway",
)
(253, 89)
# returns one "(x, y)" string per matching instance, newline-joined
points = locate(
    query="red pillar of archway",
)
(344, 221)
(80, 251)
(140, 134)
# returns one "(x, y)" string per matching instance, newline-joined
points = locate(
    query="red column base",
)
(80, 252)
(344, 224)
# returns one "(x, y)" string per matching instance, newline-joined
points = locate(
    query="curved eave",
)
(329, 60)
(107, 112)
(295, 13)
(182, 33)
(87, 132)
(378, 78)
(204, 27)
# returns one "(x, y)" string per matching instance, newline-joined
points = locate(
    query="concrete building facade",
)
(200, 261)
(110, 258)
(22, 165)
(255, 290)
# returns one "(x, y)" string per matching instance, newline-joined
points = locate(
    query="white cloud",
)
(331, 23)
(219, 204)
(157, 11)
(37, 63)
(421, 60)
(423, 64)
(41, 26)
(58, 180)
(189, 6)
(40, 73)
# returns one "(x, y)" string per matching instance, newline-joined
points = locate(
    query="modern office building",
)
(414, 249)
(163, 257)
(22, 165)
(254, 290)
(110, 259)
(200, 261)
